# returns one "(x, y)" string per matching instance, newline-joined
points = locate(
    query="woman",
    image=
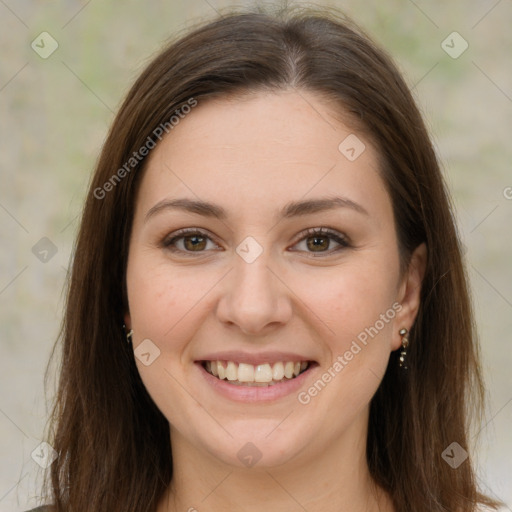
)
(267, 303)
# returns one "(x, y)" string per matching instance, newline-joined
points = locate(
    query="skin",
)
(252, 156)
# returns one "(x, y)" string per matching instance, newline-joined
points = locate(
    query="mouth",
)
(257, 375)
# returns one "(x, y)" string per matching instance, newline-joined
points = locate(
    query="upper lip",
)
(255, 358)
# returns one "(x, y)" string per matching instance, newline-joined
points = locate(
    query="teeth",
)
(278, 371)
(261, 374)
(231, 371)
(246, 373)
(221, 370)
(288, 370)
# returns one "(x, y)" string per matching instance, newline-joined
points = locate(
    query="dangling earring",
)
(128, 334)
(405, 343)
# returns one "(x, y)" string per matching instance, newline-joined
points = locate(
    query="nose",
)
(254, 298)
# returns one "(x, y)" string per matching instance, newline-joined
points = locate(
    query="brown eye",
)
(320, 240)
(318, 243)
(189, 241)
(194, 242)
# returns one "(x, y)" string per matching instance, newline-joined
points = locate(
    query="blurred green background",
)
(55, 113)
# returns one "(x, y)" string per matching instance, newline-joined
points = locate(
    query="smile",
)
(266, 374)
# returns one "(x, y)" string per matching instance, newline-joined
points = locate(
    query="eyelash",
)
(308, 233)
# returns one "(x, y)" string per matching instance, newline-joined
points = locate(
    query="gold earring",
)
(405, 343)
(129, 334)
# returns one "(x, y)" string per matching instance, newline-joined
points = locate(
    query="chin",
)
(258, 444)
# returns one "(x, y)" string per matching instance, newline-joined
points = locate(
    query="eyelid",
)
(176, 235)
(321, 231)
(338, 237)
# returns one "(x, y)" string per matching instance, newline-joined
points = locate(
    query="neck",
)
(335, 480)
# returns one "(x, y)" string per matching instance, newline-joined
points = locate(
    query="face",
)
(292, 266)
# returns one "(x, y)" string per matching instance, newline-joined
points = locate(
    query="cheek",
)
(160, 298)
(357, 307)
(152, 296)
(164, 304)
(350, 298)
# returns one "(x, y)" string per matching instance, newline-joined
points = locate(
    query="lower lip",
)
(256, 393)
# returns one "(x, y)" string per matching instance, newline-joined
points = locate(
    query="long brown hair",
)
(113, 442)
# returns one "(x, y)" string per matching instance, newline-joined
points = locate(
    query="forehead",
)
(263, 148)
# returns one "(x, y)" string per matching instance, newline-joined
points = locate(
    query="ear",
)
(127, 321)
(409, 293)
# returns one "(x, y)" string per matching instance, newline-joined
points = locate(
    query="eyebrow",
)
(292, 209)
